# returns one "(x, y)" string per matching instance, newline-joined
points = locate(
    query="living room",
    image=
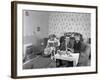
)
(38, 25)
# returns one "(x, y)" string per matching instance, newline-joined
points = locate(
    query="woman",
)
(83, 48)
(77, 43)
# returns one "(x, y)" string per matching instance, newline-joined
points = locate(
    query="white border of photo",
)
(48, 71)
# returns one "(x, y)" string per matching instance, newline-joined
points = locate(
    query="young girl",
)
(52, 43)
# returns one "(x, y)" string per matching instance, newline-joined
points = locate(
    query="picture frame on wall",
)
(51, 39)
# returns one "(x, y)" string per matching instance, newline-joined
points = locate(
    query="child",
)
(52, 43)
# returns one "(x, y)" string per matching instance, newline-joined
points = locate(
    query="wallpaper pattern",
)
(59, 23)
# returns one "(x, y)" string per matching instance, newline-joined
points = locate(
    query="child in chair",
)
(52, 43)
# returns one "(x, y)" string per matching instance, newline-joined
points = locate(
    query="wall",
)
(59, 23)
(32, 20)
(54, 23)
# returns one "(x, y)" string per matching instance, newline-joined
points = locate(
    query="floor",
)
(39, 61)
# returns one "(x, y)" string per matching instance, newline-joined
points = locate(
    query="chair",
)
(84, 55)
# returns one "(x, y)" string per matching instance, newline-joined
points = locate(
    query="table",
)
(72, 57)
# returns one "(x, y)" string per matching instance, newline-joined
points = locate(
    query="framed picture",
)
(50, 39)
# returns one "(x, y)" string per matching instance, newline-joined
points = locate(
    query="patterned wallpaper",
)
(70, 22)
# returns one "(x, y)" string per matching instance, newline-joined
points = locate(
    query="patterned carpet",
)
(39, 62)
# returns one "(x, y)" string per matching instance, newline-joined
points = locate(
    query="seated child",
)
(64, 47)
(52, 43)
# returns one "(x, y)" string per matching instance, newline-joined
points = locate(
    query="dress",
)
(51, 46)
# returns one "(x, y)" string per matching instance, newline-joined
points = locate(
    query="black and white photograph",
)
(56, 39)
(53, 39)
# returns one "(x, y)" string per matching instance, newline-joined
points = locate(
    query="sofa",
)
(84, 58)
